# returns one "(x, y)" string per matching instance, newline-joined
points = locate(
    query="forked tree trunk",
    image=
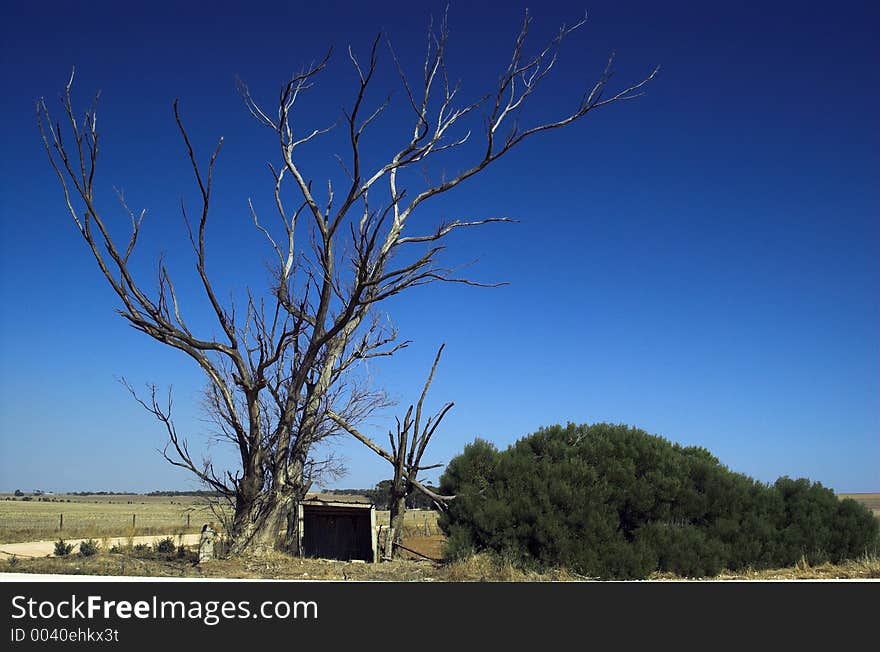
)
(268, 520)
(398, 514)
(265, 524)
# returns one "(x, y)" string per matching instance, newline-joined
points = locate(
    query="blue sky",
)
(701, 263)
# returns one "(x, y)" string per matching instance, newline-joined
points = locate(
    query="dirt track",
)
(47, 548)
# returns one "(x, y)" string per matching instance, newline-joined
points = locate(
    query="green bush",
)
(612, 501)
(88, 548)
(165, 546)
(62, 549)
(459, 544)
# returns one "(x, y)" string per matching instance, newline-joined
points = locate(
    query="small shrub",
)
(459, 545)
(165, 546)
(88, 548)
(116, 550)
(62, 549)
(13, 561)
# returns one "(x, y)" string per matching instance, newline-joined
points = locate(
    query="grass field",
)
(478, 568)
(99, 516)
(105, 516)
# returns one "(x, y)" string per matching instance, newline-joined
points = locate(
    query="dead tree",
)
(289, 358)
(408, 446)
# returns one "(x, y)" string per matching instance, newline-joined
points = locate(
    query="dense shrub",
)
(612, 501)
(88, 548)
(62, 549)
(165, 545)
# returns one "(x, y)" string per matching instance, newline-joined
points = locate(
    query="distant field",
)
(105, 516)
(99, 516)
(871, 501)
(417, 522)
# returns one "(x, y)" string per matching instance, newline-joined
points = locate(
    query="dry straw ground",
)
(479, 568)
(100, 518)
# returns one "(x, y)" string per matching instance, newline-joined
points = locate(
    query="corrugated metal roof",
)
(349, 499)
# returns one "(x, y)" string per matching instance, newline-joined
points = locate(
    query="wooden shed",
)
(338, 527)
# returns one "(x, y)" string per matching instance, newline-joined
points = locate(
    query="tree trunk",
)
(398, 513)
(266, 523)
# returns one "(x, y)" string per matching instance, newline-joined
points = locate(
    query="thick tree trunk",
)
(398, 513)
(266, 523)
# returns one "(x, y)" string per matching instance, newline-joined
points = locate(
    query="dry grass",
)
(867, 567)
(430, 547)
(489, 568)
(416, 522)
(478, 568)
(273, 566)
(105, 516)
(100, 516)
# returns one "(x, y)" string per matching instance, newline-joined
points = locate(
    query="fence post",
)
(133, 520)
(60, 522)
(187, 520)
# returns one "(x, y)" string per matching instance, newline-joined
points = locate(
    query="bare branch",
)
(354, 432)
(290, 370)
(205, 471)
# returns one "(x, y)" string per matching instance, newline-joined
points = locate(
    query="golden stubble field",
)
(101, 517)
(69, 516)
(131, 515)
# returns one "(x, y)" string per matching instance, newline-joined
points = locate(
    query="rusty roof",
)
(338, 498)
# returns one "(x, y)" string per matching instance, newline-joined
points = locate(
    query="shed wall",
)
(337, 532)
